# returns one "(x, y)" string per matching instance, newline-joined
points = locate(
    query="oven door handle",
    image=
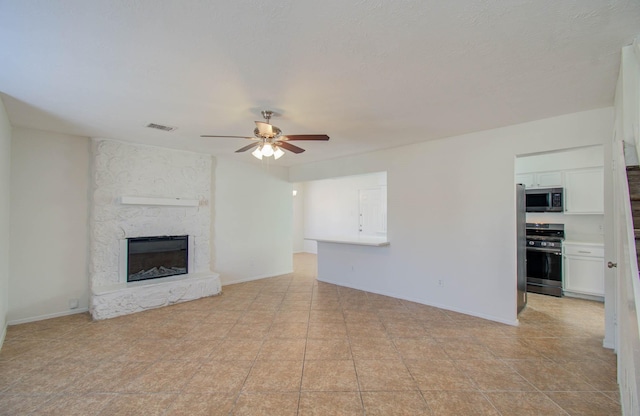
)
(546, 250)
(547, 267)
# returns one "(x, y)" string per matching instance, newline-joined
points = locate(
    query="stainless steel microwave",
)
(544, 200)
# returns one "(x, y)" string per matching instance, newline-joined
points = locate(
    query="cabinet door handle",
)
(611, 265)
(584, 251)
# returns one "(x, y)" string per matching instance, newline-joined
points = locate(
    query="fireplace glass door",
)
(155, 257)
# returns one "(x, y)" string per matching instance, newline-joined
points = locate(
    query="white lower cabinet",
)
(584, 269)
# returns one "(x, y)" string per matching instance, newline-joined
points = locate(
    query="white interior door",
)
(372, 213)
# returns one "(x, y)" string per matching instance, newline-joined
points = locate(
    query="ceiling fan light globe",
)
(278, 153)
(267, 150)
(257, 153)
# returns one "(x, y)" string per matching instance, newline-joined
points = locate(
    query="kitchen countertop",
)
(584, 243)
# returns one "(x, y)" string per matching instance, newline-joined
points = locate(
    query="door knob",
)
(611, 265)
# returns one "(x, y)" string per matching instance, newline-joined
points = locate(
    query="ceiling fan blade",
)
(290, 147)
(305, 137)
(247, 147)
(232, 137)
(265, 129)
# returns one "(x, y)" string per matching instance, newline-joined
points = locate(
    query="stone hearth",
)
(125, 298)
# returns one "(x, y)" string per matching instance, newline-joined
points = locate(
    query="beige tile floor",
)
(290, 345)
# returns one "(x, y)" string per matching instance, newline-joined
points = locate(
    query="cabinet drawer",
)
(584, 251)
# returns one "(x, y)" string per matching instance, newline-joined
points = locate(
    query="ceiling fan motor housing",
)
(274, 134)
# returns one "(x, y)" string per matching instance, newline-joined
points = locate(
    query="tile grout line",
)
(255, 359)
(353, 357)
(304, 354)
(505, 362)
(424, 400)
(239, 392)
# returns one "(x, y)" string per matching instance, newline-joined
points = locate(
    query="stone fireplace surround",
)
(141, 191)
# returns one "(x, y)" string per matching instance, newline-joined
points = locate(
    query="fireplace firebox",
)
(155, 257)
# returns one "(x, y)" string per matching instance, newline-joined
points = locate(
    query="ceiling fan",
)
(269, 140)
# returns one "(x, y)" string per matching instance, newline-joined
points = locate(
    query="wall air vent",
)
(161, 127)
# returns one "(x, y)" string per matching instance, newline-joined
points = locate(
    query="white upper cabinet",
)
(527, 179)
(549, 179)
(540, 179)
(584, 191)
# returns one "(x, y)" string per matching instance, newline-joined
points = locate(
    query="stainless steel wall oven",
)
(544, 258)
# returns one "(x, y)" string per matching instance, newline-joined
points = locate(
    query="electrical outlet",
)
(74, 303)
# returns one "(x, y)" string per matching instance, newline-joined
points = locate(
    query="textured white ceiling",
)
(371, 74)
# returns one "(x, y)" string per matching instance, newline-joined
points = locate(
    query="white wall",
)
(49, 237)
(5, 186)
(447, 199)
(331, 206)
(584, 157)
(253, 223)
(298, 218)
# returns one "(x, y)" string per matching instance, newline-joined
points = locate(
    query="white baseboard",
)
(47, 316)
(584, 296)
(232, 281)
(3, 335)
